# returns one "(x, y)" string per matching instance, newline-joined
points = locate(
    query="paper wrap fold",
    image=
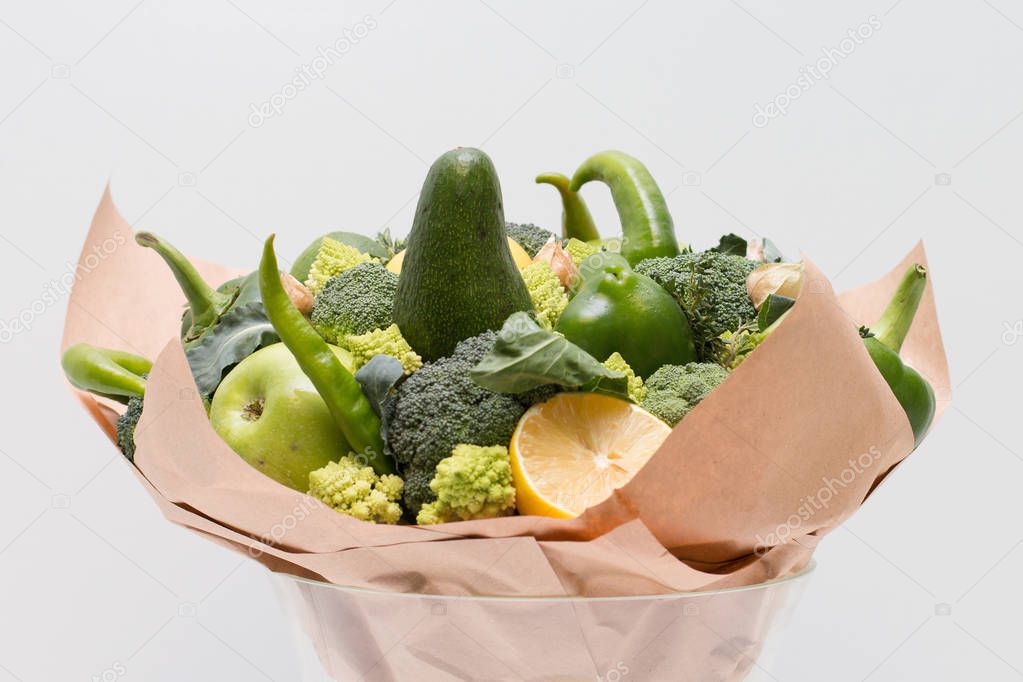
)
(740, 492)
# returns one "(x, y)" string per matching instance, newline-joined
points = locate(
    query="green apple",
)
(268, 411)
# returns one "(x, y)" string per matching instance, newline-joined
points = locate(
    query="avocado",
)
(458, 278)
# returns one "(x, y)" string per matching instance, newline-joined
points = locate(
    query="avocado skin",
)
(458, 278)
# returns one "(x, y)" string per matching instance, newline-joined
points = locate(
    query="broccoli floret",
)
(545, 291)
(357, 301)
(637, 391)
(711, 289)
(332, 259)
(126, 428)
(387, 341)
(529, 236)
(473, 483)
(674, 390)
(440, 407)
(355, 489)
(580, 250)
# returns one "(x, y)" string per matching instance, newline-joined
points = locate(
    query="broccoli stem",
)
(206, 303)
(895, 321)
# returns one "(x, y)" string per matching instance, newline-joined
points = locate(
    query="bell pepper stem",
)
(342, 394)
(893, 326)
(206, 303)
(576, 220)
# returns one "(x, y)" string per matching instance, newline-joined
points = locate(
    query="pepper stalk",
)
(207, 305)
(893, 326)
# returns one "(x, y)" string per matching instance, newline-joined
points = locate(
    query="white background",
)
(923, 584)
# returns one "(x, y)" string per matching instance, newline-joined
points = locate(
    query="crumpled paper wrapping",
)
(740, 492)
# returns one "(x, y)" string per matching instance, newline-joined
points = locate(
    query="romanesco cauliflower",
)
(333, 258)
(580, 250)
(355, 489)
(473, 483)
(545, 290)
(387, 341)
(637, 391)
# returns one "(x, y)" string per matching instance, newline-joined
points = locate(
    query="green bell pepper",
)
(884, 341)
(620, 310)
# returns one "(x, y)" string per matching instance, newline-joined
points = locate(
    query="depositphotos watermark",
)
(819, 501)
(306, 74)
(1012, 332)
(811, 74)
(58, 289)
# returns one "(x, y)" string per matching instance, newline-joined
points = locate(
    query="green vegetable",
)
(222, 326)
(106, 372)
(356, 490)
(332, 259)
(206, 304)
(126, 424)
(472, 483)
(379, 379)
(674, 390)
(647, 228)
(340, 391)
(580, 250)
(884, 341)
(458, 277)
(616, 363)
(619, 310)
(387, 341)
(710, 287)
(111, 374)
(377, 248)
(240, 333)
(525, 357)
(439, 407)
(387, 247)
(731, 244)
(529, 236)
(576, 220)
(545, 291)
(356, 301)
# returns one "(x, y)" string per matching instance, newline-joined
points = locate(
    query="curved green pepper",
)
(647, 228)
(206, 304)
(621, 310)
(576, 221)
(343, 395)
(884, 341)
(109, 373)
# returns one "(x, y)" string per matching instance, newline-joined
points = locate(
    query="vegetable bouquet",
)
(482, 371)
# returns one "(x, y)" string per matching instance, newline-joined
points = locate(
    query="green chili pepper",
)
(647, 228)
(576, 220)
(339, 389)
(884, 341)
(206, 304)
(109, 373)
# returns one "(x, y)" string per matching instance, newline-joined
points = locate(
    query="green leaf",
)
(242, 331)
(732, 244)
(379, 377)
(526, 356)
(772, 309)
